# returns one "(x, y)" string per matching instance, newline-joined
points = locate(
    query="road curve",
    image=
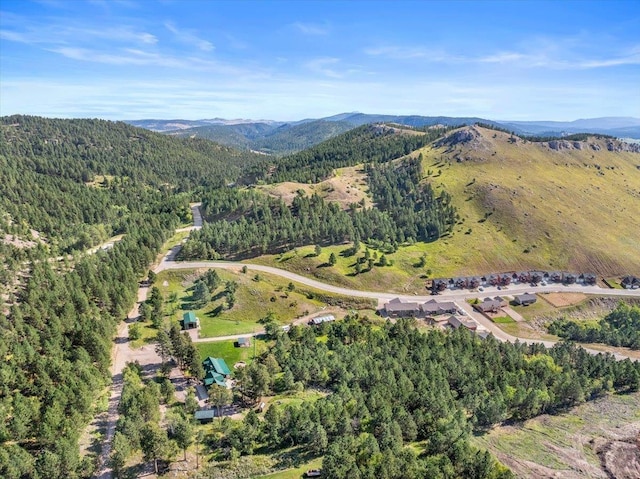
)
(169, 263)
(460, 297)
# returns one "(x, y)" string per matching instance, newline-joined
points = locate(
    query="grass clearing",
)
(503, 320)
(296, 398)
(147, 334)
(347, 186)
(294, 473)
(524, 330)
(228, 351)
(256, 295)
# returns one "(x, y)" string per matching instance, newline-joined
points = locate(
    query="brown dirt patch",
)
(349, 185)
(560, 300)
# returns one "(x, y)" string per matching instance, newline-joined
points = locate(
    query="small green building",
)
(189, 320)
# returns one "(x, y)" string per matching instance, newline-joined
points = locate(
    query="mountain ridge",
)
(285, 137)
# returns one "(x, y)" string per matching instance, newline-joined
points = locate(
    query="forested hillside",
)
(366, 144)
(272, 139)
(243, 223)
(64, 186)
(78, 182)
(403, 403)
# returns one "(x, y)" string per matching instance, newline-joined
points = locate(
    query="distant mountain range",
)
(278, 138)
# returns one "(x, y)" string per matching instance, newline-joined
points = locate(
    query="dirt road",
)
(123, 354)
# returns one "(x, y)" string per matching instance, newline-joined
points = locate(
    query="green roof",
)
(213, 377)
(189, 318)
(216, 364)
(204, 414)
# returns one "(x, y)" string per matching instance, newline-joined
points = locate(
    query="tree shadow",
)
(215, 312)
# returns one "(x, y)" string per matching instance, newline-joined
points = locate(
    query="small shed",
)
(189, 320)
(204, 415)
(323, 319)
(243, 342)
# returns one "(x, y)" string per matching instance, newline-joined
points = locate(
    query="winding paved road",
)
(123, 353)
(459, 297)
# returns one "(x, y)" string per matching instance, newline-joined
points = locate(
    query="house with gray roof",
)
(432, 307)
(398, 309)
(525, 299)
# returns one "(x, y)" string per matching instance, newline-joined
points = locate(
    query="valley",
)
(409, 207)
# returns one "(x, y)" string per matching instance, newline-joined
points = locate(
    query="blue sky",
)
(192, 59)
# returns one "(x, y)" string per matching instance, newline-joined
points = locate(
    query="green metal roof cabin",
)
(189, 320)
(217, 365)
(214, 378)
(204, 415)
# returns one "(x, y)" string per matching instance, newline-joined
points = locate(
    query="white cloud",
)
(321, 66)
(189, 38)
(311, 28)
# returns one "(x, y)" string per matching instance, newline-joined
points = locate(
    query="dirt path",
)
(150, 361)
(297, 322)
(123, 354)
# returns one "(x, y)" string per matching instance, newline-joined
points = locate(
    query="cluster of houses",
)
(493, 305)
(444, 314)
(504, 279)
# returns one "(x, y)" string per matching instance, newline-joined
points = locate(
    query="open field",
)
(347, 186)
(560, 300)
(256, 296)
(296, 472)
(575, 444)
(229, 352)
(402, 276)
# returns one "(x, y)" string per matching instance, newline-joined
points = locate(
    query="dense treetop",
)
(394, 386)
(621, 327)
(365, 144)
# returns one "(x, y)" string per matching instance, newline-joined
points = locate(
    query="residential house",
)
(456, 322)
(525, 299)
(216, 365)
(439, 285)
(212, 377)
(397, 309)
(433, 307)
(489, 305)
(630, 282)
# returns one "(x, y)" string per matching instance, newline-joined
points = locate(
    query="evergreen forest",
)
(403, 403)
(397, 402)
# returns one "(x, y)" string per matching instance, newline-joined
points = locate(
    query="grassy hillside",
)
(521, 205)
(591, 440)
(525, 204)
